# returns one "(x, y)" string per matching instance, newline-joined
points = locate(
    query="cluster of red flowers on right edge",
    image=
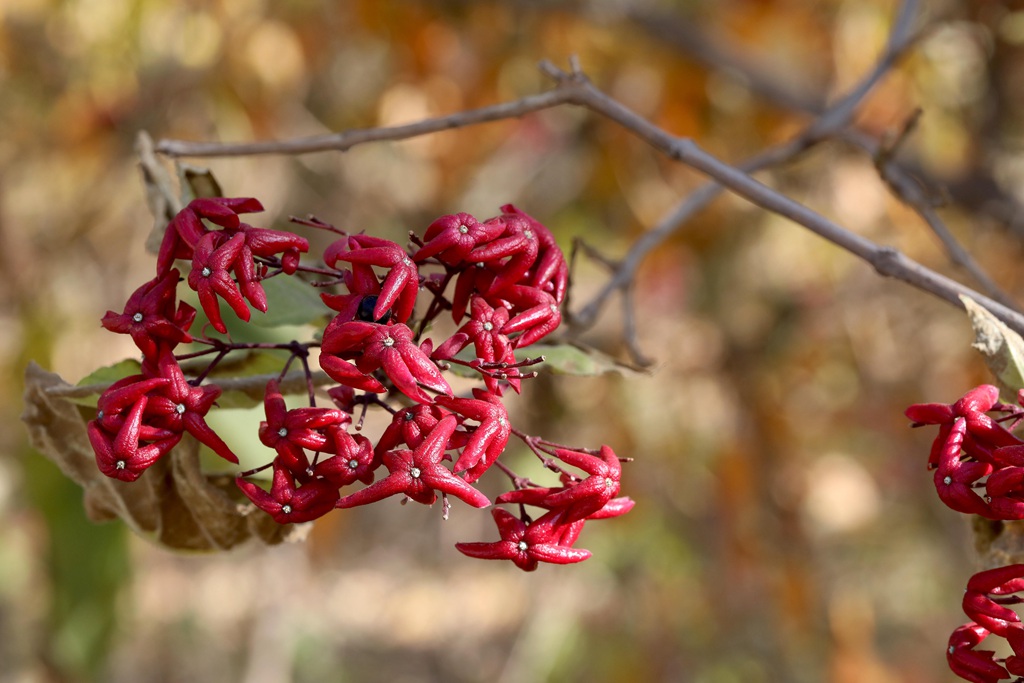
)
(508, 280)
(979, 469)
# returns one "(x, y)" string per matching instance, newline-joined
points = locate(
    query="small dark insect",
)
(365, 312)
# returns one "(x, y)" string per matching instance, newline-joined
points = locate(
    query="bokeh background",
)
(785, 527)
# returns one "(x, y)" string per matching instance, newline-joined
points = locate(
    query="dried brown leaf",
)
(998, 543)
(173, 503)
(1001, 347)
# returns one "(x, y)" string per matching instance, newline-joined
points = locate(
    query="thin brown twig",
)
(909, 191)
(629, 329)
(340, 142)
(292, 383)
(837, 115)
(694, 203)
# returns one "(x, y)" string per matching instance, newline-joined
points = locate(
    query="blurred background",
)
(785, 529)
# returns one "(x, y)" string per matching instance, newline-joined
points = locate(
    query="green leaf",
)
(111, 373)
(560, 359)
(258, 362)
(290, 301)
(240, 429)
(1001, 347)
(571, 359)
(248, 391)
(93, 384)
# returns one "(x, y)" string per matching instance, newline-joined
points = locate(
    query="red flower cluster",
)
(235, 249)
(979, 469)
(140, 418)
(985, 602)
(970, 446)
(507, 273)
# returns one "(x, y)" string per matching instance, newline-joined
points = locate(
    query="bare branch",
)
(629, 332)
(910, 192)
(340, 142)
(573, 87)
(718, 56)
(886, 260)
(696, 202)
(901, 38)
(292, 383)
(706, 50)
(831, 122)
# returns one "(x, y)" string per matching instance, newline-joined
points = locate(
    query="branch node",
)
(548, 68)
(574, 76)
(886, 261)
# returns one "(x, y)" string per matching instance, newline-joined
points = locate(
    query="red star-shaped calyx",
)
(401, 284)
(484, 329)
(547, 539)
(988, 592)
(122, 455)
(288, 503)
(978, 666)
(410, 426)
(488, 439)
(290, 431)
(210, 277)
(551, 272)
(954, 478)
(539, 315)
(150, 317)
(267, 243)
(353, 459)
(451, 238)
(181, 407)
(186, 229)
(593, 493)
(518, 244)
(374, 346)
(983, 435)
(978, 602)
(419, 474)
(537, 496)
(118, 398)
(248, 275)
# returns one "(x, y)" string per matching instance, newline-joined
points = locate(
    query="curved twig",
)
(340, 142)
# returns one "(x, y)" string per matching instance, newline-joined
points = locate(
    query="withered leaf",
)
(173, 503)
(161, 197)
(998, 543)
(1001, 347)
(197, 181)
(163, 200)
